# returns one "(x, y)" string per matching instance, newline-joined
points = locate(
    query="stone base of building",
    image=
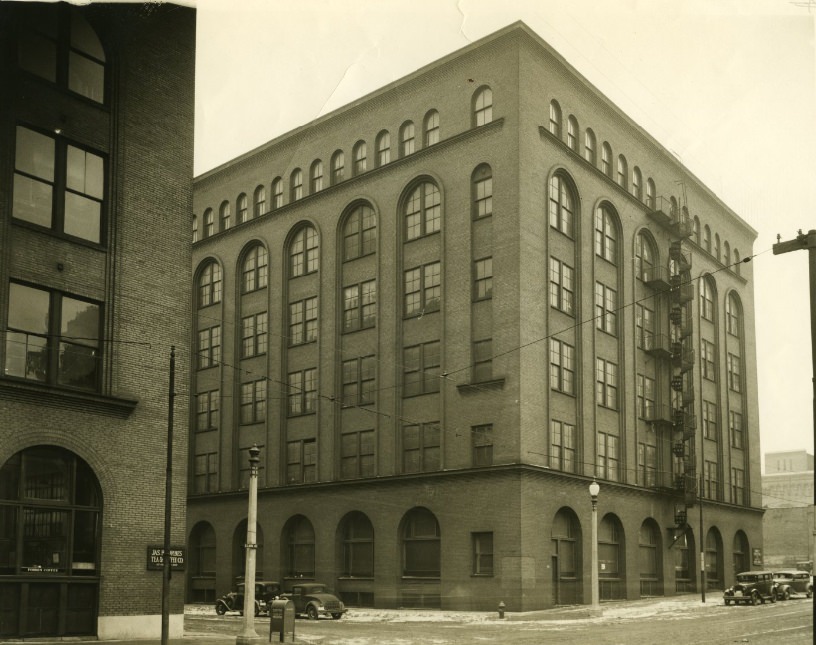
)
(138, 627)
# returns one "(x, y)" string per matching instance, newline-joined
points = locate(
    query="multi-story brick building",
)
(440, 312)
(95, 192)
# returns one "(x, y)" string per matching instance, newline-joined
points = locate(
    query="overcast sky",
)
(728, 85)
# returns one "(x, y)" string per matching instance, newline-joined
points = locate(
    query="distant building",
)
(96, 122)
(441, 311)
(789, 524)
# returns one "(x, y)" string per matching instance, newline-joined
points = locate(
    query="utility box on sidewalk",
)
(282, 620)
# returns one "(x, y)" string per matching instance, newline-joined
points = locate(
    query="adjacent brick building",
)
(443, 310)
(95, 193)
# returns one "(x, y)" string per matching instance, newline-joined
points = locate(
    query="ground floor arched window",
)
(741, 553)
(201, 569)
(567, 570)
(683, 548)
(299, 541)
(239, 551)
(421, 559)
(713, 559)
(50, 539)
(651, 574)
(612, 572)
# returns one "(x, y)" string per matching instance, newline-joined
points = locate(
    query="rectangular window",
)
(562, 446)
(301, 461)
(423, 289)
(209, 347)
(735, 429)
(359, 381)
(562, 366)
(302, 397)
(357, 454)
(207, 410)
(253, 335)
(58, 186)
(482, 443)
(606, 378)
(253, 401)
(482, 553)
(562, 286)
(710, 420)
(706, 301)
(647, 465)
(205, 477)
(53, 338)
(644, 326)
(645, 397)
(608, 464)
(711, 491)
(606, 308)
(303, 321)
(707, 359)
(483, 361)
(734, 372)
(483, 197)
(483, 279)
(420, 448)
(737, 486)
(421, 369)
(360, 306)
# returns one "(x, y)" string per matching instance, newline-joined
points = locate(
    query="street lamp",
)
(248, 634)
(594, 489)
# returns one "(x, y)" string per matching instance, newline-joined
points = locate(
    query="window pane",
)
(82, 217)
(32, 201)
(34, 154)
(84, 172)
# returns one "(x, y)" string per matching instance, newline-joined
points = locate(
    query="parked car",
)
(265, 592)
(791, 583)
(314, 600)
(752, 587)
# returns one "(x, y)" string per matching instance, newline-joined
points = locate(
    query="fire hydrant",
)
(502, 607)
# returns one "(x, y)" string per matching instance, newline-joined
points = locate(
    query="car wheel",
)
(773, 597)
(311, 612)
(337, 616)
(754, 598)
(786, 594)
(220, 609)
(809, 593)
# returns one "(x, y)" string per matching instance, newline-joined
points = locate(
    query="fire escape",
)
(678, 421)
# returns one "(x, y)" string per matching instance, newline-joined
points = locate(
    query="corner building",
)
(440, 312)
(95, 192)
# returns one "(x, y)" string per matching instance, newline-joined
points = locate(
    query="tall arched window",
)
(611, 553)
(316, 177)
(303, 252)
(590, 153)
(572, 133)
(713, 559)
(209, 223)
(651, 583)
(225, 215)
(201, 571)
(623, 172)
(239, 551)
(383, 148)
(254, 271)
(482, 192)
(650, 193)
(431, 128)
(695, 230)
(726, 254)
(606, 159)
(606, 233)
(209, 284)
(423, 211)
(277, 193)
(299, 540)
(358, 546)
(733, 315)
(555, 119)
(259, 201)
(684, 563)
(716, 251)
(707, 238)
(360, 158)
(737, 261)
(407, 136)
(360, 232)
(561, 205)
(637, 183)
(706, 298)
(644, 258)
(243, 209)
(482, 106)
(421, 545)
(741, 553)
(566, 541)
(338, 167)
(296, 185)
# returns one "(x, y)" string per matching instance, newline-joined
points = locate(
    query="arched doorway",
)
(651, 559)
(741, 558)
(50, 540)
(201, 570)
(611, 558)
(684, 571)
(567, 569)
(713, 559)
(299, 549)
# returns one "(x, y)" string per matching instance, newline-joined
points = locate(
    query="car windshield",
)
(785, 576)
(317, 589)
(746, 578)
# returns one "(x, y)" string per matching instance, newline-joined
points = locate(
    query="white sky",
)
(728, 85)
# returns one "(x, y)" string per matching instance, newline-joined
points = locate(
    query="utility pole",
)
(806, 241)
(168, 496)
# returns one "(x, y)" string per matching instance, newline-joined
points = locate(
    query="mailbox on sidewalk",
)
(282, 620)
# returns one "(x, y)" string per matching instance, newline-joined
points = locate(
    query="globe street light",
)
(594, 489)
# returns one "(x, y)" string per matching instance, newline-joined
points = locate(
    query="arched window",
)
(209, 284)
(225, 215)
(637, 183)
(606, 159)
(316, 177)
(695, 230)
(254, 271)
(650, 560)
(338, 167)
(606, 233)
(707, 238)
(299, 538)
(296, 185)
(572, 133)
(209, 222)
(360, 233)
(566, 541)
(423, 211)
(644, 258)
(562, 205)
(611, 553)
(716, 251)
(733, 315)
(239, 551)
(195, 228)
(303, 252)
(706, 298)
(421, 541)
(358, 546)
(360, 158)
(260, 201)
(65, 51)
(737, 261)
(741, 553)
(202, 563)
(650, 193)
(482, 106)
(673, 207)
(431, 128)
(726, 254)
(243, 209)
(623, 172)
(482, 192)
(555, 119)
(407, 139)
(684, 550)
(383, 148)
(590, 153)
(277, 193)
(713, 559)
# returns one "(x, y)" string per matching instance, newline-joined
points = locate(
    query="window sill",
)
(51, 396)
(493, 384)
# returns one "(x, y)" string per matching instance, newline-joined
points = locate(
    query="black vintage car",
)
(751, 587)
(315, 600)
(265, 592)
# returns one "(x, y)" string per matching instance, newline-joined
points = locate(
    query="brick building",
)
(441, 311)
(95, 188)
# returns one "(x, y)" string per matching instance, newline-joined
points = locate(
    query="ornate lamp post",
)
(248, 634)
(594, 489)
